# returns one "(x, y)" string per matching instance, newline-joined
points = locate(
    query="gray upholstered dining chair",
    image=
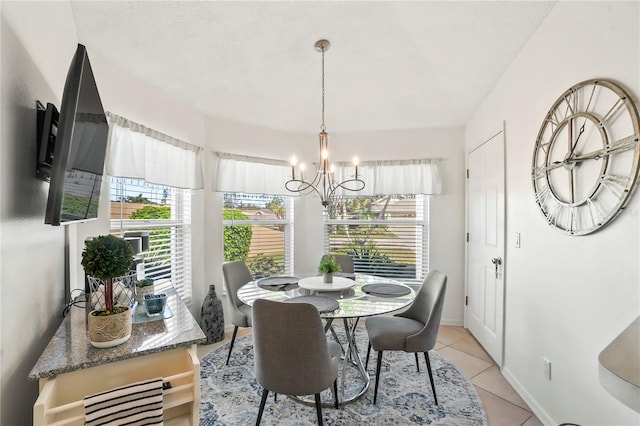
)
(414, 330)
(291, 352)
(345, 261)
(236, 274)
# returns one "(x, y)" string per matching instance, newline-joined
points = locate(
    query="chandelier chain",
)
(323, 127)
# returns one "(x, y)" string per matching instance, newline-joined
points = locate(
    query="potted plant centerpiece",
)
(328, 265)
(106, 257)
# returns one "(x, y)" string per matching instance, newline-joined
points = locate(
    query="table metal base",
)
(351, 371)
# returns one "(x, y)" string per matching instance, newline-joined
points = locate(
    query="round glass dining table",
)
(358, 296)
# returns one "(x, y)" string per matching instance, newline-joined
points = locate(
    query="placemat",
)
(385, 289)
(322, 303)
(277, 282)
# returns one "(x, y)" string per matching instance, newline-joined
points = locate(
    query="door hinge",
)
(467, 173)
(466, 300)
(467, 237)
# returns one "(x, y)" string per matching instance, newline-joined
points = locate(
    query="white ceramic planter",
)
(110, 330)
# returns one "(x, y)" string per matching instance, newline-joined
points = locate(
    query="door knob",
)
(497, 261)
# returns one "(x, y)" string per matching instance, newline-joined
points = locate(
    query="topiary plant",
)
(107, 257)
(329, 264)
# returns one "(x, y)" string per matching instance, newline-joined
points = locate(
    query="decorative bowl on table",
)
(154, 304)
(317, 284)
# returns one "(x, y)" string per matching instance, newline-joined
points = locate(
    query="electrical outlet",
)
(547, 368)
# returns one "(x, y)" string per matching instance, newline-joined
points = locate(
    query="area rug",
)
(231, 395)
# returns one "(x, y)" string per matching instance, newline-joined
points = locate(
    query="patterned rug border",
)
(231, 396)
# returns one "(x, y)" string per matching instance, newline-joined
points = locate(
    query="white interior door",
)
(484, 310)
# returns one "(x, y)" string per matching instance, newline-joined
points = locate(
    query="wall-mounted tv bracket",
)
(47, 122)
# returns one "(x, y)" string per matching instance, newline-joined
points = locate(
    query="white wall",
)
(566, 297)
(31, 253)
(38, 40)
(447, 210)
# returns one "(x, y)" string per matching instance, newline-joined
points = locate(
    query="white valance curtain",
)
(389, 177)
(138, 152)
(254, 175)
(251, 175)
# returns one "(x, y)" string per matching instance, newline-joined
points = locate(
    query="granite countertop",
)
(620, 366)
(70, 350)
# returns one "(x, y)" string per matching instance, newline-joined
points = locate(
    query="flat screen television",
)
(79, 147)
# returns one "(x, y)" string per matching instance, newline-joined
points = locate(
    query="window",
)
(385, 235)
(259, 230)
(165, 213)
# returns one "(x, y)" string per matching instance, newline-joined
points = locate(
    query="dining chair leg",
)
(233, 339)
(366, 364)
(265, 393)
(275, 397)
(319, 409)
(375, 392)
(335, 392)
(433, 387)
(417, 363)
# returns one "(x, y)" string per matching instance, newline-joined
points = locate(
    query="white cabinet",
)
(61, 397)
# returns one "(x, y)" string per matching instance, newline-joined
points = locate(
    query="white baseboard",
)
(537, 409)
(457, 323)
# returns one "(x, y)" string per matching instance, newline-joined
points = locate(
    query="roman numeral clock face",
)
(586, 157)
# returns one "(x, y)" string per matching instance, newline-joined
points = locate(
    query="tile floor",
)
(502, 404)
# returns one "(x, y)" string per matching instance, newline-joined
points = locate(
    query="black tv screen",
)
(80, 147)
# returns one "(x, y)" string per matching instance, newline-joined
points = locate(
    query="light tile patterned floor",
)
(502, 404)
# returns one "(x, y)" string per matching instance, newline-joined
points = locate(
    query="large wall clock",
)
(586, 157)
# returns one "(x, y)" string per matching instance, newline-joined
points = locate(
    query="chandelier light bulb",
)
(325, 154)
(294, 160)
(302, 167)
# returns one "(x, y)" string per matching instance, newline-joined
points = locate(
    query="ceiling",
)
(391, 65)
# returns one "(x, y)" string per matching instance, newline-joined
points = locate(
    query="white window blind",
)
(259, 230)
(165, 213)
(385, 235)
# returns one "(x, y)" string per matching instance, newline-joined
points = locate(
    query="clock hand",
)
(580, 132)
(539, 170)
(619, 146)
(596, 155)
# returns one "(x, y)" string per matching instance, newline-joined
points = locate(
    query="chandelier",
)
(323, 182)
